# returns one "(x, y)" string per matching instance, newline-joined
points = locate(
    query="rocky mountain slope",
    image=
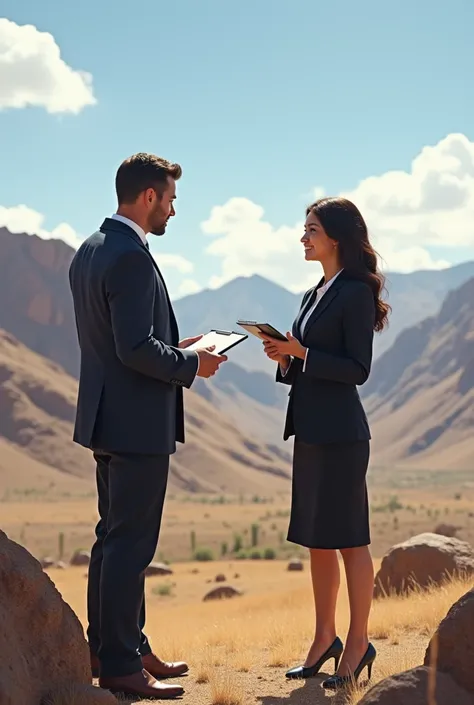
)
(37, 402)
(420, 395)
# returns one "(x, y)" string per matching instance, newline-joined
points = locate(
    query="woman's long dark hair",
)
(343, 222)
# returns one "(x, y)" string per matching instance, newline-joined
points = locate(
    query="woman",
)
(327, 355)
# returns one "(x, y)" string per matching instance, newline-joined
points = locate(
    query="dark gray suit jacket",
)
(324, 404)
(132, 372)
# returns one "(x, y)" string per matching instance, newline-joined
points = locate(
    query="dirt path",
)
(263, 685)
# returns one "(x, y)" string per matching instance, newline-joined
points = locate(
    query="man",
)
(130, 413)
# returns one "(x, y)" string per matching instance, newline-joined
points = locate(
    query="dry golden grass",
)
(239, 649)
(225, 689)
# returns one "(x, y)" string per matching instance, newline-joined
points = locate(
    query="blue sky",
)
(263, 102)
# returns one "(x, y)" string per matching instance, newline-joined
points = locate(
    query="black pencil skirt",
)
(329, 504)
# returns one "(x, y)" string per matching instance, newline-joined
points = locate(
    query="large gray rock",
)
(452, 646)
(420, 686)
(424, 560)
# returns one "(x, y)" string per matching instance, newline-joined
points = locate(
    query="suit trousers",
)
(131, 489)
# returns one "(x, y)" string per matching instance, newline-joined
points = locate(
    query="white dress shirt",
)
(319, 295)
(131, 224)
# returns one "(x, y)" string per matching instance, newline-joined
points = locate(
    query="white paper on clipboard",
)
(223, 340)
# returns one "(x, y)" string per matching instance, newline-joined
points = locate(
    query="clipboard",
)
(266, 328)
(224, 340)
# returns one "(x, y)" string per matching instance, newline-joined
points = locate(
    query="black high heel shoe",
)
(336, 682)
(334, 651)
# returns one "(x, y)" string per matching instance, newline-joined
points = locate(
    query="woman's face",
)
(318, 247)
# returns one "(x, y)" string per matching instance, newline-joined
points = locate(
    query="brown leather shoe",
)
(154, 665)
(141, 684)
(162, 669)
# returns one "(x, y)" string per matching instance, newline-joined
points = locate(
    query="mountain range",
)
(419, 395)
(37, 406)
(413, 297)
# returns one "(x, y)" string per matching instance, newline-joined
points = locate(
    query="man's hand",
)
(186, 342)
(209, 361)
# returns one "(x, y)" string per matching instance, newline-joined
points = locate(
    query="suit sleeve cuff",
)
(305, 359)
(284, 370)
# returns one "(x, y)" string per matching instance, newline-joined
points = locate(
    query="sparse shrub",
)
(163, 590)
(238, 543)
(60, 545)
(393, 504)
(255, 555)
(224, 549)
(193, 541)
(254, 529)
(269, 554)
(242, 555)
(203, 555)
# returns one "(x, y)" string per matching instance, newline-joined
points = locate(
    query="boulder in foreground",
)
(422, 561)
(452, 646)
(420, 686)
(42, 644)
(80, 695)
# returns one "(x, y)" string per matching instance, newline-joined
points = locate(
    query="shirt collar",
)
(326, 286)
(131, 224)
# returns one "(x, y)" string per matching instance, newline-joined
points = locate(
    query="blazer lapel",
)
(324, 303)
(304, 310)
(112, 224)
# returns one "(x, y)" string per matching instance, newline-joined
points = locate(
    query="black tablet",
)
(258, 328)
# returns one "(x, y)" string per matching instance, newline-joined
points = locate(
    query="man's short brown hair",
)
(143, 171)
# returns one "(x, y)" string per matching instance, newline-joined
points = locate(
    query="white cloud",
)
(32, 72)
(408, 213)
(178, 262)
(21, 219)
(188, 286)
(431, 205)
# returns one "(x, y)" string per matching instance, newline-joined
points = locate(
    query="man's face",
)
(161, 208)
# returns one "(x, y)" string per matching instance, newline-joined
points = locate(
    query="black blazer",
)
(132, 372)
(324, 404)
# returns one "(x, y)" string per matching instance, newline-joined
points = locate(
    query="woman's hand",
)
(270, 352)
(282, 350)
